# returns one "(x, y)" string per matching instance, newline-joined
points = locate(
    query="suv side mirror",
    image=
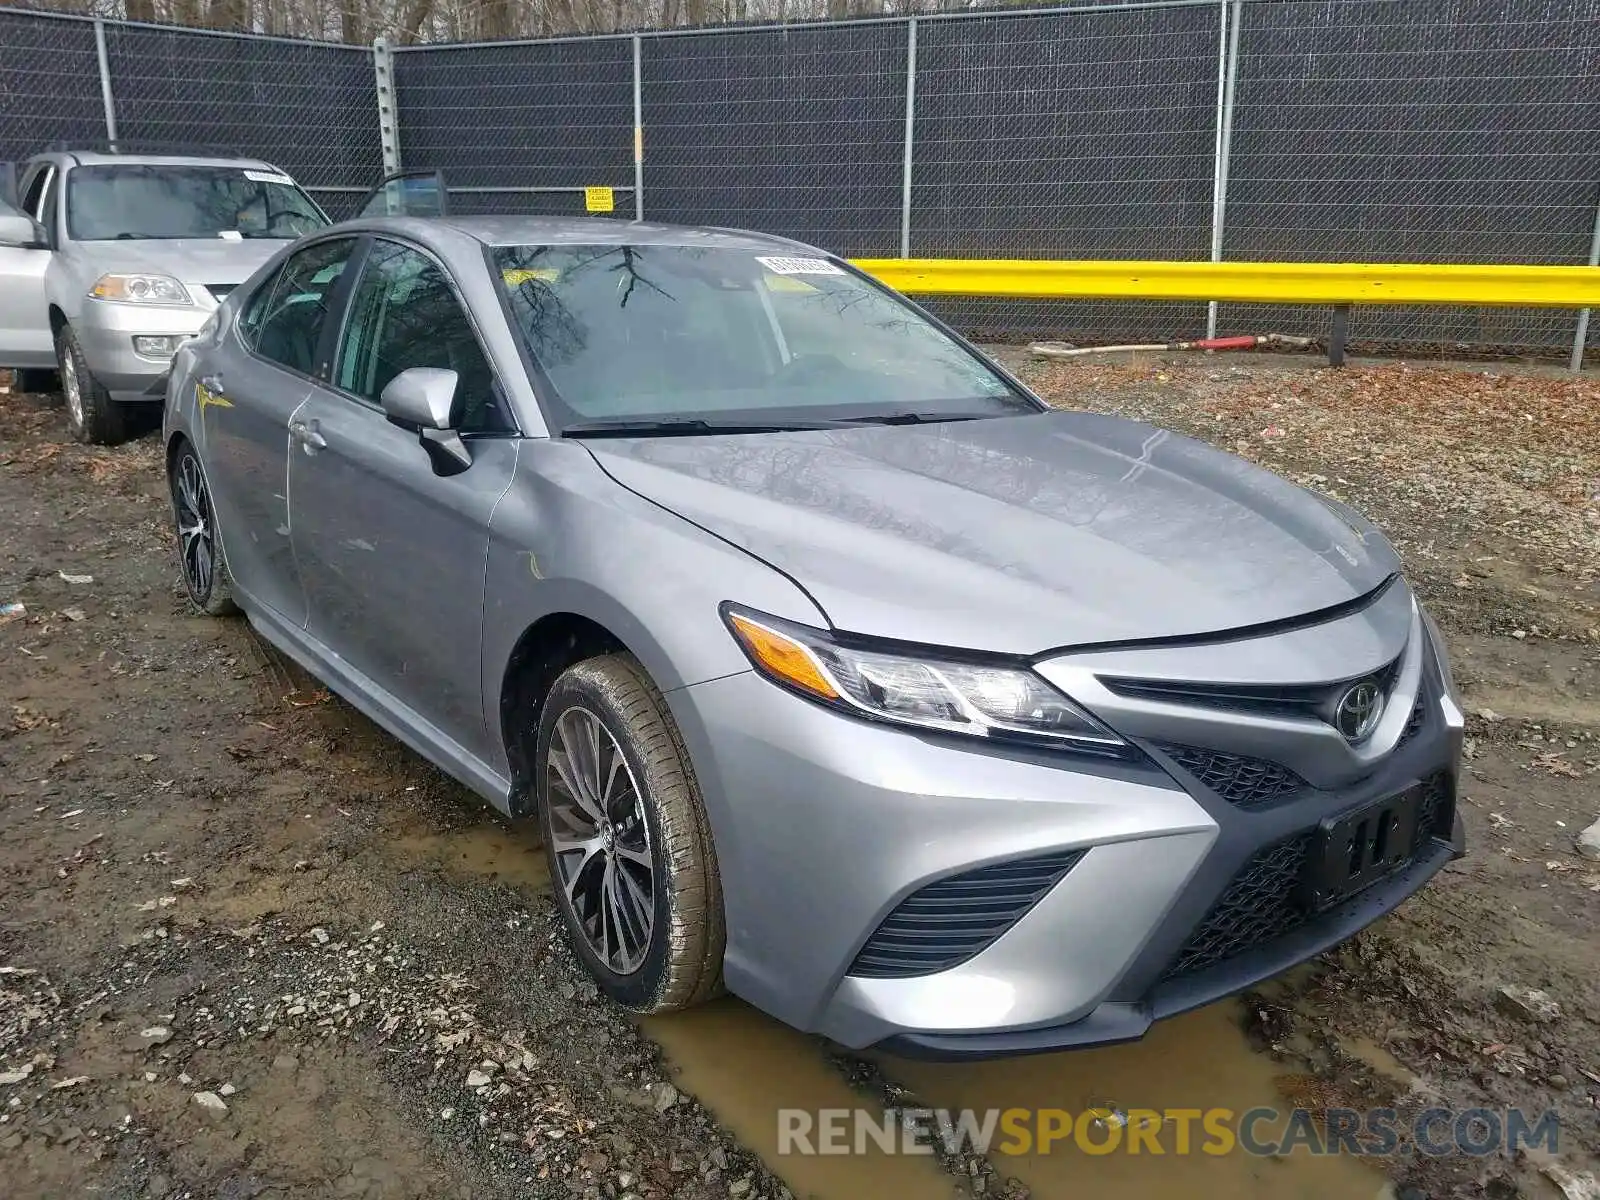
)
(424, 399)
(22, 231)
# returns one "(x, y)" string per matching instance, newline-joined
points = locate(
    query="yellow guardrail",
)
(1255, 282)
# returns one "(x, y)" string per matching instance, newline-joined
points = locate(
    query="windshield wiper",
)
(682, 426)
(908, 417)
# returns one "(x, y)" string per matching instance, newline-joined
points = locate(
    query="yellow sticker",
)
(209, 399)
(599, 199)
(520, 275)
(786, 283)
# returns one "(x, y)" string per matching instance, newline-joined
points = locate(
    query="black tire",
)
(92, 415)
(682, 961)
(202, 565)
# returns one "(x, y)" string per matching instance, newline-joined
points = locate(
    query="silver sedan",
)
(837, 670)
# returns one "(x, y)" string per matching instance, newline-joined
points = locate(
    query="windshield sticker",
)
(517, 276)
(230, 235)
(800, 266)
(787, 283)
(268, 177)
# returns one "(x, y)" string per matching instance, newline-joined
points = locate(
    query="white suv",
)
(115, 259)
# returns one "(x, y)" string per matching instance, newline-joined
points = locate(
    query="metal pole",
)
(388, 113)
(910, 138)
(638, 129)
(1227, 80)
(107, 101)
(1580, 337)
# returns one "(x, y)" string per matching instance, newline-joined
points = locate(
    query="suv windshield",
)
(646, 333)
(130, 200)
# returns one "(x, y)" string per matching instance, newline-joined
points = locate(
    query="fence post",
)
(388, 113)
(638, 128)
(1580, 337)
(1231, 17)
(107, 101)
(909, 154)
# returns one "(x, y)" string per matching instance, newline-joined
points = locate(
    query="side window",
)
(283, 321)
(405, 314)
(38, 198)
(255, 309)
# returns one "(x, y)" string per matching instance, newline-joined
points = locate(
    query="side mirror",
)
(424, 399)
(20, 231)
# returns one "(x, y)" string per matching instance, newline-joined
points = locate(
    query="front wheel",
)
(92, 415)
(626, 835)
(200, 560)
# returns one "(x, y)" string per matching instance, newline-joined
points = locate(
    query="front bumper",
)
(824, 825)
(105, 330)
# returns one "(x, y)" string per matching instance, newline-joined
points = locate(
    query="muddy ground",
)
(218, 881)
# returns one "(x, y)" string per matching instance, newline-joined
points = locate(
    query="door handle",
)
(305, 432)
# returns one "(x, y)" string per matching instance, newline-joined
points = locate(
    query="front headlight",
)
(141, 289)
(972, 698)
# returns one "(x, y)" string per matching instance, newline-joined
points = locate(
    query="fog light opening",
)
(158, 346)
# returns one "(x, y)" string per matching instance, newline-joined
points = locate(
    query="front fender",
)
(567, 538)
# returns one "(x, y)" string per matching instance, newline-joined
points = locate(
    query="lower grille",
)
(1241, 781)
(1259, 905)
(1265, 899)
(951, 920)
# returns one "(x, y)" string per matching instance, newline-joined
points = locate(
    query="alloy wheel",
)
(196, 531)
(601, 840)
(72, 388)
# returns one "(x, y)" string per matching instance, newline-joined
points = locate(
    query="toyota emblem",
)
(1358, 711)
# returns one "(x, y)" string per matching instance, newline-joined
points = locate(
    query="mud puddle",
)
(488, 850)
(745, 1067)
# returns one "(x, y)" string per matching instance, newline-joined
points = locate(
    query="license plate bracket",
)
(1355, 850)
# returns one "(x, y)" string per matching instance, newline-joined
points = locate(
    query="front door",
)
(392, 552)
(25, 339)
(253, 385)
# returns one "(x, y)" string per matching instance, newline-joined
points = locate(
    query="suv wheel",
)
(625, 832)
(200, 557)
(92, 414)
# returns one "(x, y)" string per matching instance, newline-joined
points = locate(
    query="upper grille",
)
(1415, 720)
(945, 923)
(1243, 782)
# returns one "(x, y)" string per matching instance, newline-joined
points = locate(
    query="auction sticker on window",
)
(268, 177)
(800, 266)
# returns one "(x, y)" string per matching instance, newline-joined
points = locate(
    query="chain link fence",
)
(1302, 130)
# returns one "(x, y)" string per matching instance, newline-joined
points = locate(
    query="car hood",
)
(1017, 534)
(191, 260)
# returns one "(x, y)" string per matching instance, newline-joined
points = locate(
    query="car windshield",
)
(667, 333)
(129, 200)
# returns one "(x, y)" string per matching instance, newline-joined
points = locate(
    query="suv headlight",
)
(979, 699)
(141, 289)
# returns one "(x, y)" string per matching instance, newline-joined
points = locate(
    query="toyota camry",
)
(837, 669)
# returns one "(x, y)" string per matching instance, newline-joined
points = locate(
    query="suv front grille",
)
(1243, 782)
(1264, 900)
(945, 923)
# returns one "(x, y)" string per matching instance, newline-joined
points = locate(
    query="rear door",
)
(250, 386)
(392, 551)
(25, 339)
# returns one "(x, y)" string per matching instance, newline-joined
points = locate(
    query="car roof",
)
(95, 158)
(583, 231)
